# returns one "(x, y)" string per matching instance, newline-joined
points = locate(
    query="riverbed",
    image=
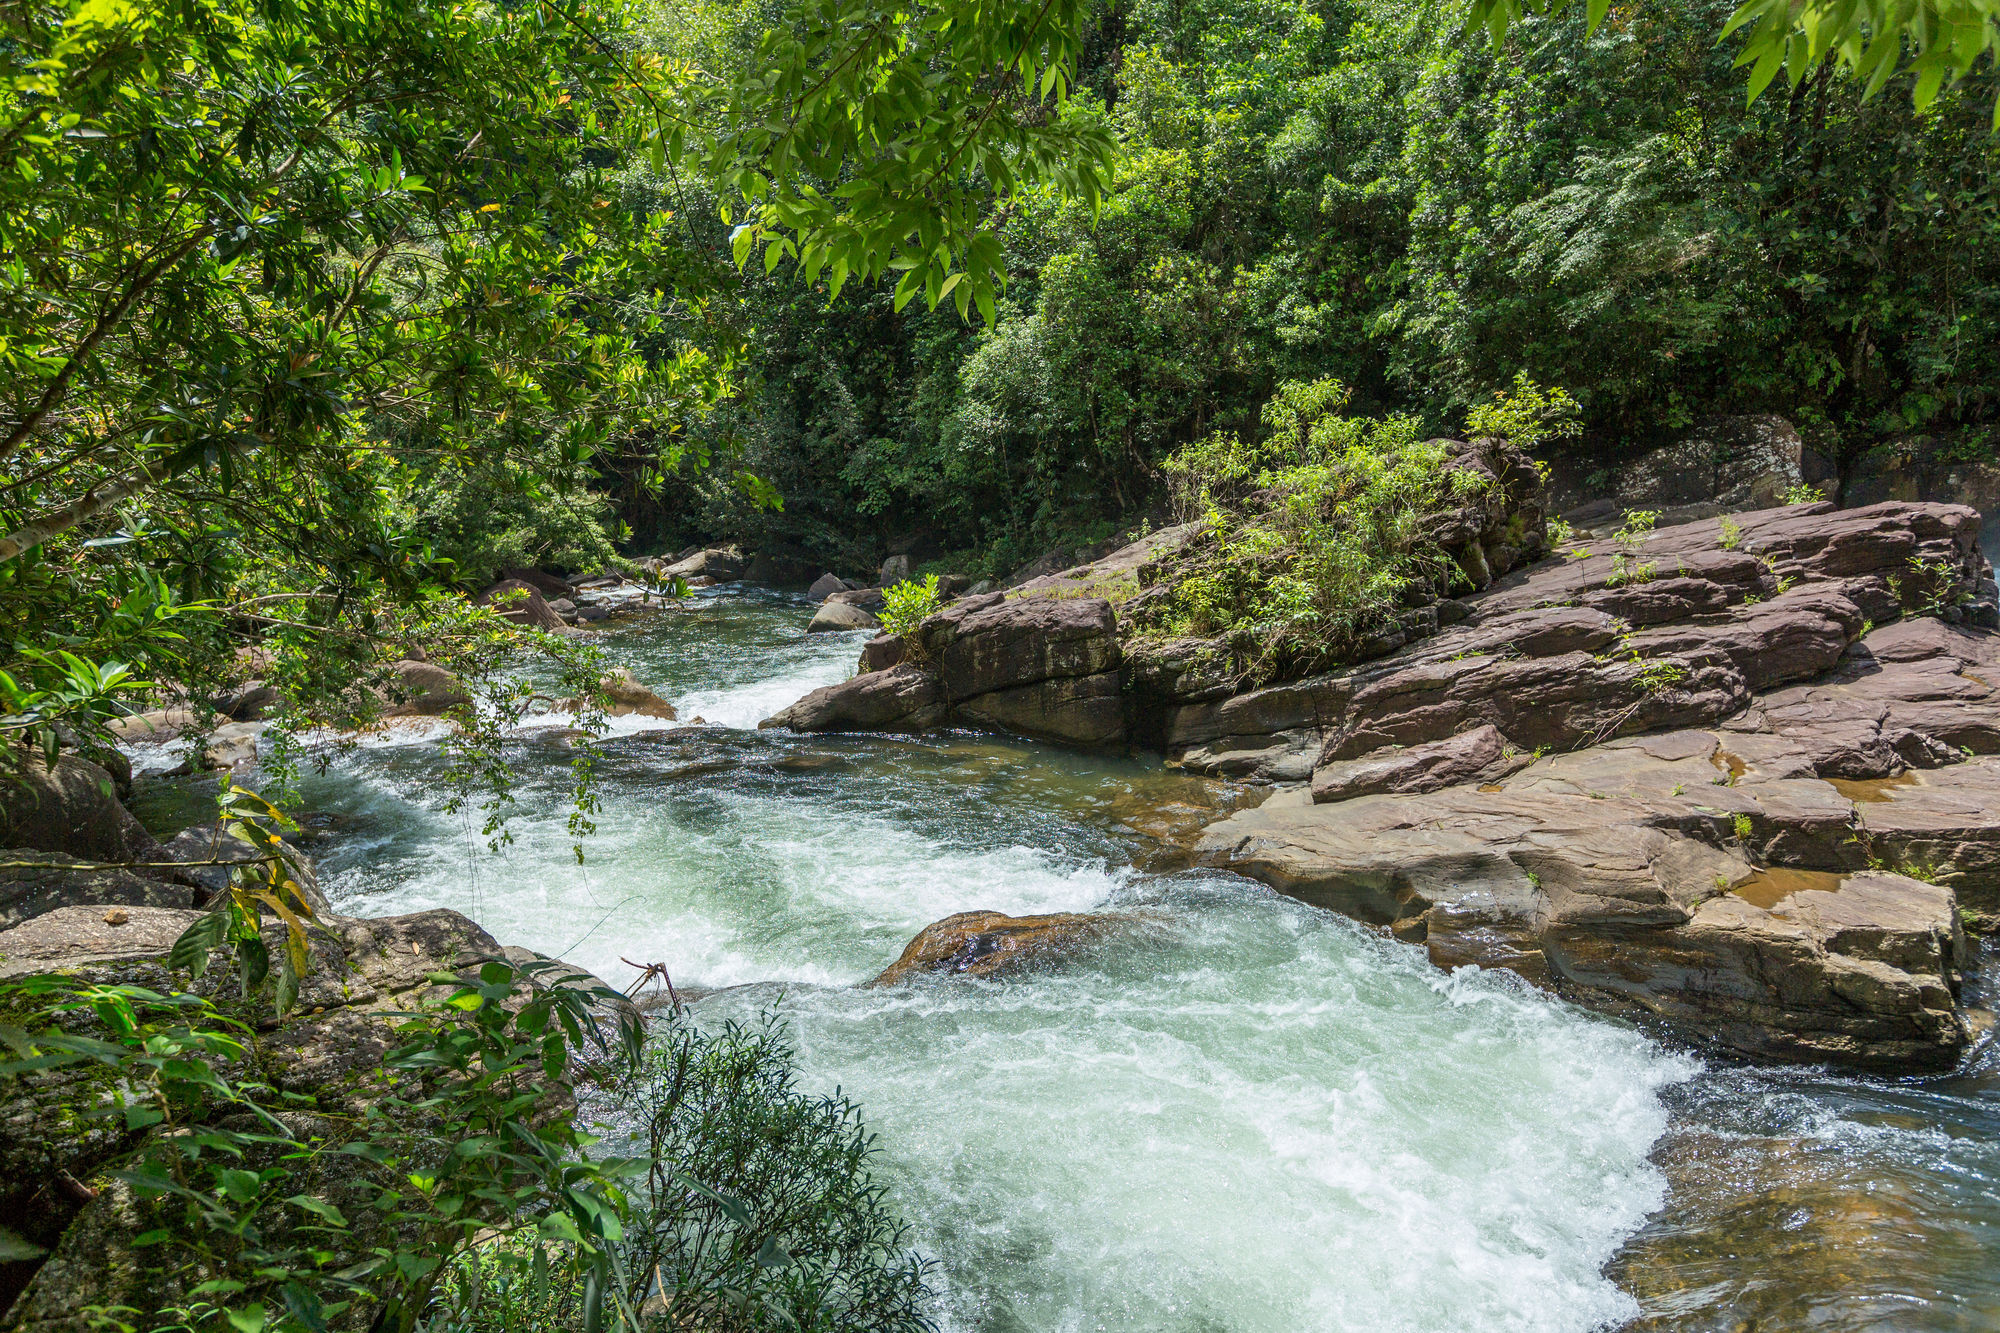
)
(1239, 1113)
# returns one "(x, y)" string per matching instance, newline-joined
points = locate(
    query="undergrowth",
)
(1315, 534)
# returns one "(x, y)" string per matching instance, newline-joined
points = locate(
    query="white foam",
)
(1285, 1145)
(828, 659)
(1245, 1114)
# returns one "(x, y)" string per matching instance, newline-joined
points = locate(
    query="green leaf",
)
(201, 938)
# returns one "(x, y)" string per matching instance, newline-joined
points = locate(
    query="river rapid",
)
(1242, 1114)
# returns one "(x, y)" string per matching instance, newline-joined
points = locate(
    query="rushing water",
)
(1240, 1113)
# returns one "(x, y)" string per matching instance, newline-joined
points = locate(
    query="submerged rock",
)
(981, 944)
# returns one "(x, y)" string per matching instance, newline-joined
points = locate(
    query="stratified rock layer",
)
(1670, 631)
(1629, 876)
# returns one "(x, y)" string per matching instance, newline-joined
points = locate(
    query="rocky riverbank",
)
(1737, 774)
(63, 913)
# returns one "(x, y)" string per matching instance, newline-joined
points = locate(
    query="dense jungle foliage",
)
(1360, 191)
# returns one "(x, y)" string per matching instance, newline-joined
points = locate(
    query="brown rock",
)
(1722, 465)
(825, 586)
(867, 599)
(206, 843)
(1481, 755)
(719, 565)
(71, 808)
(981, 944)
(903, 698)
(629, 697)
(882, 652)
(1942, 824)
(524, 605)
(983, 644)
(33, 884)
(1042, 666)
(421, 689)
(834, 617)
(1548, 655)
(1621, 876)
(548, 585)
(1080, 710)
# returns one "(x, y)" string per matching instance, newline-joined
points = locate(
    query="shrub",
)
(1313, 535)
(758, 1210)
(906, 604)
(1526, 414)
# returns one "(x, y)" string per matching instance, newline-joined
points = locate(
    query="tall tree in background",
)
(274, 266)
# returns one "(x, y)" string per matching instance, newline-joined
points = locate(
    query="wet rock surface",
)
(983, 944)
(1634, 877)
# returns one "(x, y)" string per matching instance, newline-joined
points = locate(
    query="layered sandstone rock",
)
(1632, 876)
(1671, 631)
(1044, 666)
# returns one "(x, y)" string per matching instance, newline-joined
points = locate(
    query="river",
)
(1240, 1114)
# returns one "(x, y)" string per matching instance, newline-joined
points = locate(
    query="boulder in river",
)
(629, 697)
(981, 944)
(868, 599)
(421, 689)
(716, 564)
(825, 586)
(1039, 665)
(894, 570)
(882, 652)
(524, 605)
(548, 585)
(836, 616)
(232, 745)
(71, 807)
